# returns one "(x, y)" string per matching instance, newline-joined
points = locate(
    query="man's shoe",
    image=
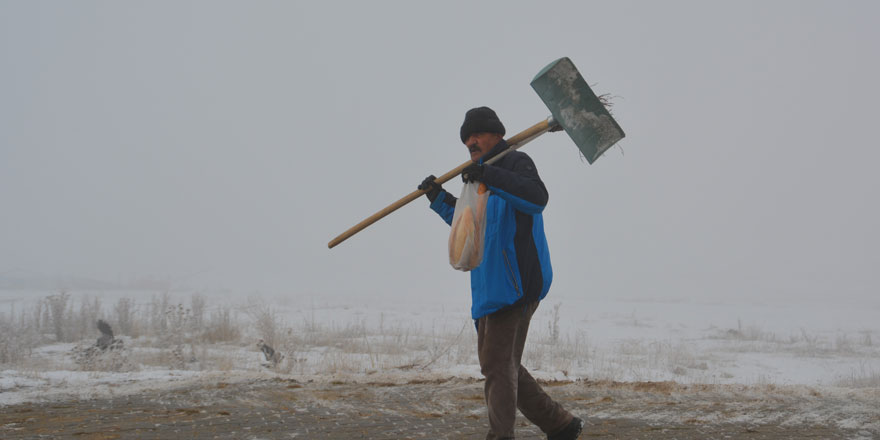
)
(570, 432)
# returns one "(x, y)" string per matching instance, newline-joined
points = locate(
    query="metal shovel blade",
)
(576, 108)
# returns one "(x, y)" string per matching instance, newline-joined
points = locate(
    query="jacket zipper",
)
(512, 275)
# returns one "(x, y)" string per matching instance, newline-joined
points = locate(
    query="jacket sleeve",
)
(444, 205)
(520, 186)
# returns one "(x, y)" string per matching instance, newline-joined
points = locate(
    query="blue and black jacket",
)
(516, 260)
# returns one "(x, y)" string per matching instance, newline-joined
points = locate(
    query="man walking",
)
(514, 276)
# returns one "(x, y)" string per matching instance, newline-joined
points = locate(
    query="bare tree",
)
(58, 310)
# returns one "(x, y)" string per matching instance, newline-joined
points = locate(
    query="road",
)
(442, 409)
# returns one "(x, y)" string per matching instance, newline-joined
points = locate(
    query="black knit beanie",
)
(480, 120)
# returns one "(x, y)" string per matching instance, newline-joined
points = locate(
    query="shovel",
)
(573, 108)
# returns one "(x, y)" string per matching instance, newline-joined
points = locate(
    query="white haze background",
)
(221, 144)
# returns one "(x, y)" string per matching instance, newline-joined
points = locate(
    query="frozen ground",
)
(767, 351)
(442, 409)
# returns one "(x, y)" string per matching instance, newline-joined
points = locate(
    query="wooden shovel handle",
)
(514, 142)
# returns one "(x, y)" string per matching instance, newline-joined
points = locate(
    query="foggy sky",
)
(223, 144)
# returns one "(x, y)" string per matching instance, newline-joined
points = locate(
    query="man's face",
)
(478, 144)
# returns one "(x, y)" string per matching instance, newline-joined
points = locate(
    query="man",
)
(513, 277)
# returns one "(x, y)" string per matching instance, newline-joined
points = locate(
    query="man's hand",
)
(472, 173)
(432, 189)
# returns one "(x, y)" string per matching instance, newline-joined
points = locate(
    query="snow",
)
(17, 386)
(791, 348)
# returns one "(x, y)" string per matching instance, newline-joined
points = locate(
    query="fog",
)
(223, 144)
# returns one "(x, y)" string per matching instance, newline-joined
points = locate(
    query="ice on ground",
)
(811, 346)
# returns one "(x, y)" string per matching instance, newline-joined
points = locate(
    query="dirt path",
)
(451, 409)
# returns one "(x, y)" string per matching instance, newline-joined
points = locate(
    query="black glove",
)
(432, 189)
(472, 173)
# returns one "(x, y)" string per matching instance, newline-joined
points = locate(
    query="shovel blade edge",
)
(576, 108)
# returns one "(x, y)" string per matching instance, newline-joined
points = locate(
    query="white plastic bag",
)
(468, 227)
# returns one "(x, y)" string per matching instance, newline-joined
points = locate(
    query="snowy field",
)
(179, 338)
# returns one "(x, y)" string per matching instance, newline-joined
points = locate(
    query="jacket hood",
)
(497, 149)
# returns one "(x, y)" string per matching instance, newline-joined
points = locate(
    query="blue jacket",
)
(516, 260)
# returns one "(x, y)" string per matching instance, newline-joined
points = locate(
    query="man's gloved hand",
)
(432, 189)
(472, 173)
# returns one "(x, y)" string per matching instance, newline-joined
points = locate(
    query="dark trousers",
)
(501, 337)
